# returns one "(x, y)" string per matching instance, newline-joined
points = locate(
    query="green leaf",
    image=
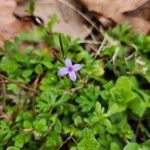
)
(63, 99)
(31, 7)
(38, 69)
(12, 148)
(114, 108)
(46, 101)
(27, 124)
(12, 87)
(123, 33)
(88, 142)
(88, 97)
(52, 22)
(27, 73)
(122, 91)
(98, 107)
(36, 35)
(94, 69)
(137, 106)
(20, 139)
(77, 120)
(53, 140)
(40, 125)
(55, 41)
(11, 46)
(131, 146)
(146, 145)
(124, 82)
(114, 146)
(9, 66)
(143, 43)
(73, 148)
(47, 63)
(58, 126)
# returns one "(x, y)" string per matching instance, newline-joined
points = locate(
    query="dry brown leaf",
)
(115, 10)
(9, 26)
(115, 6)
(69, 21)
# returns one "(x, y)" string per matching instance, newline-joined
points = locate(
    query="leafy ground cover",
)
(105, 108)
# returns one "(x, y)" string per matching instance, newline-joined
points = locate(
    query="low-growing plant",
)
(105, 107)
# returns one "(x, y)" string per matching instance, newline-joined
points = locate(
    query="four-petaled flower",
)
(70, 69)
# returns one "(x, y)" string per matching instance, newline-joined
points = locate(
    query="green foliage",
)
(12, 148)
(131, 146)
(52, 22)
(31, 7)
(107, 108)
(20, 139)
(88, 98)
(88, 141)
(143, 43)
(123, 33)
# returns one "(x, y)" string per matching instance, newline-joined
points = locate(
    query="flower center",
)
(70, 69)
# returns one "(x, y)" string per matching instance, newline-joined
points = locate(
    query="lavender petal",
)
(68, 62)
(72, 76)
(76, 67)
(62, 71)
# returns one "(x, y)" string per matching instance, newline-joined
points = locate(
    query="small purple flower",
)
(70, 69)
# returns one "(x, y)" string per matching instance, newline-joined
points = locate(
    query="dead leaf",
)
(9, 26)
(115, 10)
(69, 21)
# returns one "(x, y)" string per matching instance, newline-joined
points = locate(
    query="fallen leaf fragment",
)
(69, 21)
(9, 26)
(117, 10)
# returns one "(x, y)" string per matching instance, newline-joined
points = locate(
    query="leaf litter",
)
(71, 19)
(137, 12)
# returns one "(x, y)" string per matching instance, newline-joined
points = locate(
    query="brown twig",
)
(36, 81)
(69, 138)
(139, 123)
(49, 129)
(138, 126)
(81, 14)
(100, 48)
(21, 84)
(3, 90)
